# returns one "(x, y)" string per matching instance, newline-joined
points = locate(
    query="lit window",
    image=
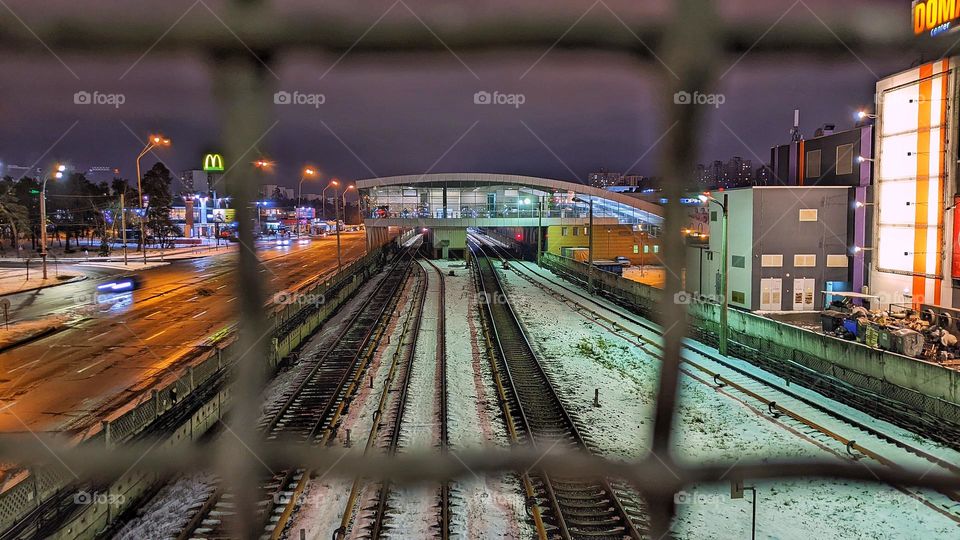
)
(837, 261)
(771, 261)
(805, 260)
(636, 249)
(646, 249)
(808, 214)
(656, 248)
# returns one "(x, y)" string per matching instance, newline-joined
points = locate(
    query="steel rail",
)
(721, 381)
(571, 499)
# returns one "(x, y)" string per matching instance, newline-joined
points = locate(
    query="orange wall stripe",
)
(938, 282)
(922, 186)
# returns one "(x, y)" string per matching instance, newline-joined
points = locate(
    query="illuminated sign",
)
(935, 16)
(213, 163)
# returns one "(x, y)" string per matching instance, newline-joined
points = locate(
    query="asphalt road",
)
(115, 346)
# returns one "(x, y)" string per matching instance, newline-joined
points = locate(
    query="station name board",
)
(935, 16)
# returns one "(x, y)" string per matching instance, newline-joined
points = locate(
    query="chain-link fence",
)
(686, 38)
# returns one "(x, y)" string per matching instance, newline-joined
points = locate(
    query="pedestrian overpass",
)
(444, 205)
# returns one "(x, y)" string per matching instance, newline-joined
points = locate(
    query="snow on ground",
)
(14, 280)
(22, 330)
(488, 506)
(326, 495)
(414, 510)
(580, 356)
(167, 513)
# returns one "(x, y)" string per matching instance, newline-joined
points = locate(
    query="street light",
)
(337, 221)
(153, 141)
(724, 330)
(589, 241)
(334, 183)
(43, 214)
(861, 159)
(307, 171)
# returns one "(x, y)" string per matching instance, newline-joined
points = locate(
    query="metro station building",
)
(443, 206)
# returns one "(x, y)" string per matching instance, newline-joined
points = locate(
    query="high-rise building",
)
(604, 178)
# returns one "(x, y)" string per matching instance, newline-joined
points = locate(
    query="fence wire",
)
(689, 41)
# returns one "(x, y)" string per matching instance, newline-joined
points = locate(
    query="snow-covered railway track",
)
(572, 507)
(818, 422)
(310, 410)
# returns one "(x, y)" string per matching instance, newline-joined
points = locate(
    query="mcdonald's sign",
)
(213, 163)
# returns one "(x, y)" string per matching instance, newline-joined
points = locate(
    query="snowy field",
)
(580, 356)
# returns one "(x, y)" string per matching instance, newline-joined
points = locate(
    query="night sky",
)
(416, 113)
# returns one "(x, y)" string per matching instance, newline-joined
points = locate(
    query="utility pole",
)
(123, 225)
(539, 228)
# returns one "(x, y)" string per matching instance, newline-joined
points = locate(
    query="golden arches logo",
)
(213, 163)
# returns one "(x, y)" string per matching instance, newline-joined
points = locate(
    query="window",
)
(738, 297)
(636, 249)
(646, 248)
(805, 260)
(837, 261)
(563, 231)
(813, 164)
(576, 231)
(771, 261)
(738, 261)
(713, 215)
(808, 214)
(586, 231)
(656, 248)
(845, 159)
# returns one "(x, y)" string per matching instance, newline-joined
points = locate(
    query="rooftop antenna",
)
(795, 135)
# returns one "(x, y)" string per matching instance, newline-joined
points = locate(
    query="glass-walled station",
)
(443, 206)
(458, 201)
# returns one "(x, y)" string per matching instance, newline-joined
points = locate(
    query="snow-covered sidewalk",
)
(14, 280)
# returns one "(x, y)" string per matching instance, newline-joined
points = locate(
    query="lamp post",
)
(153, 141)
(334, 183)
(43, 215)
(724, 330)
(307, 171)
(336, 201)
(589, 241)
(263, 165)
(539, 228)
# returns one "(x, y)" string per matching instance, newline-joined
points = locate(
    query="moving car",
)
(622, 261)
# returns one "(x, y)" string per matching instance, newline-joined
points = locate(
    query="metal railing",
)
(249, 35)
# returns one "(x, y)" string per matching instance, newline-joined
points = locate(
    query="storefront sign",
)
(213, 163)
(935, 16)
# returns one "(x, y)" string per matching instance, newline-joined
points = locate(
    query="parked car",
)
(622, 261)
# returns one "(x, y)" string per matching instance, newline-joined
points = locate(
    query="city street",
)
(111, 349)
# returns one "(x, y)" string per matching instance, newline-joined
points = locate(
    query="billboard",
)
(911, 170)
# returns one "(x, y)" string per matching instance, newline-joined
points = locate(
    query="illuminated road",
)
(112, 350)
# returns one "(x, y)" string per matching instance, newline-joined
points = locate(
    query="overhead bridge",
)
(557, 213)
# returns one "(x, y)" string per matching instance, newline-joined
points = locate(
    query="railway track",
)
(389, 439)
(797, 411)
(310, 410)
(573, 507)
